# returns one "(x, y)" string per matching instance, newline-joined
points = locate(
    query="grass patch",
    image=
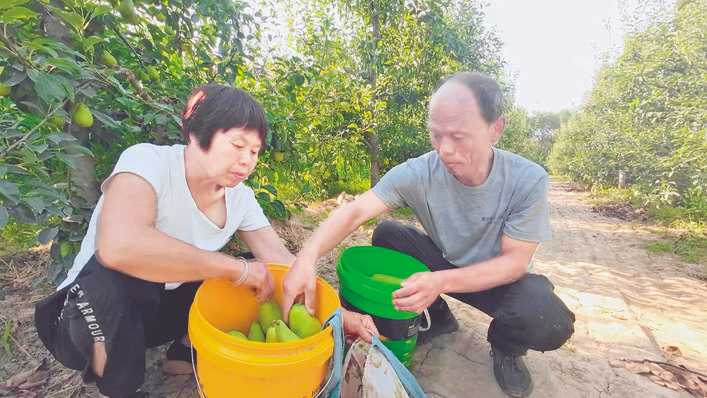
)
(602, 196)
(403, 212)
(662, 246)
(6, 338)
(372, 222)
(16, 237)
(690, 246)
(685, 229)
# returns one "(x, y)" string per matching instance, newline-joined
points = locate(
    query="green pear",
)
(64, 249)
(268, 312)
(56, 121)
(108, 59)
(271, 335)
(153, 73)
(256, 332)
(83, 116)
(238, 335)
(389, 279)
(126, 8)
(302, 323)
(4, 90)
(284, 333)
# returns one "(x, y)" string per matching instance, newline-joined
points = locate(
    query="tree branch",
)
(29, 133)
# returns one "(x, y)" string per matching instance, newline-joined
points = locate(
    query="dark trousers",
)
(526, 314)
(127, 314)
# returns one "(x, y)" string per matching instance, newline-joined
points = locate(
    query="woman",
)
(154, 235)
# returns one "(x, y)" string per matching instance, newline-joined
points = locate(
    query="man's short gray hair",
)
(485, 89)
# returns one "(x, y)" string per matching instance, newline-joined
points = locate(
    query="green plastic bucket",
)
(362, 293)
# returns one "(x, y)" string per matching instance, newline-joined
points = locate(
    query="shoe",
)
(442, 322)
(511, 374)
(179, 359)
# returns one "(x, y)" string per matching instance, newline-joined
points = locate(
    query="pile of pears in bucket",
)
(271, 328)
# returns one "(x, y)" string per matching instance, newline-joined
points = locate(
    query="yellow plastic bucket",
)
(228, 367)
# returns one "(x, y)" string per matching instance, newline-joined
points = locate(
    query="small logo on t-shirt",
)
(491, 219)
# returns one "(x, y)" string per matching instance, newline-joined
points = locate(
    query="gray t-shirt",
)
(466, 222)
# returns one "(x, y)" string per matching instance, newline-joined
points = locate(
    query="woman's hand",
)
(359, 325)
(259, 278)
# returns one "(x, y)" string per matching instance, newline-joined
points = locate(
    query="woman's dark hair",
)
(215, 107)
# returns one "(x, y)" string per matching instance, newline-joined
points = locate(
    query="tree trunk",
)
(82, 175)
(373, 151)
(372, 141)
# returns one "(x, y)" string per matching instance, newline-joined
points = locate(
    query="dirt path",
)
(629, 304)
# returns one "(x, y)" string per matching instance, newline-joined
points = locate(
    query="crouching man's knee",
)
(552, 328)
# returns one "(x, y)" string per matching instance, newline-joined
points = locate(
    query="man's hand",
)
(300, 280)
(260, 279)
(359, 325)
(418, 292)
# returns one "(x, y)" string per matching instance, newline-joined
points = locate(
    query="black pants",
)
(127, 314)
(526, 313)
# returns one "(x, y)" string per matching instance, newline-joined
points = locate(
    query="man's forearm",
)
(485, 275)
(330, 233)
(158, 257)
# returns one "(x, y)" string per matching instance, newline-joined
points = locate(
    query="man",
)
(154, 234)
(484, 212)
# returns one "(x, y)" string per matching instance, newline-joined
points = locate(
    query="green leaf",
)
(105, 119)
(4, 216)
(270, 189)
(101, 10)
(16, 14)
(47, 234)
(73, 19)
(280, 209)
(66, 159)
(76, 148)
(9, 191)
(60, 137)
(36, 204)
(64, 249)
(67, 65)
(48, 46)
(16, 77)
(48, 87)
(263, 196)
(92, 41)
(23, 214)
(297, 79)
(12, 3)
(39, 148)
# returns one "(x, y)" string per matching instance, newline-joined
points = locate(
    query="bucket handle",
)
(428, 321)
(193, 368)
